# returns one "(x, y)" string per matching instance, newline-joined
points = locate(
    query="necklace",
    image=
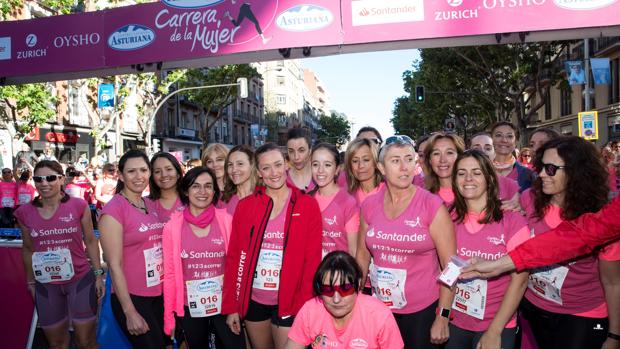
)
(136, 206)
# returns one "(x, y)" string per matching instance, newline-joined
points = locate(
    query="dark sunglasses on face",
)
(551, 169)
(49, 178)
(343, 290)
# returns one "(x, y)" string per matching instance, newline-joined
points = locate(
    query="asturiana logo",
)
(191, 3)
(131, 37)
(583, 4)
(303, 18)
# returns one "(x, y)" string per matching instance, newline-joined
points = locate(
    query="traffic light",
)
(156, 145)
(419, 94)
(243, 87)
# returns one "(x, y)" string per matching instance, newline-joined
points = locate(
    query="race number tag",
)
(8, 202)
(204, 297)
(267, 274)
(388, 286)
(23, 198)
(547, 282)
(471, 298)
(154, 263)
(52, 266)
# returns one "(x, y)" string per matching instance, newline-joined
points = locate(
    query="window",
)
(78, 115)
(565, 101)
(281, 99)
(548, 106)
(614, 86)
(280, 80)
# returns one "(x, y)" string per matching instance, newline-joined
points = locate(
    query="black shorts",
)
(261, 312)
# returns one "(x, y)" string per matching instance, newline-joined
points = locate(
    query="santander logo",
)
(364, 12)
(583, 4)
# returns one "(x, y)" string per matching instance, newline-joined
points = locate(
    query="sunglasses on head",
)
(343, 290)
(551, 169)
(376, 140)
(399, 139)
(49, 178)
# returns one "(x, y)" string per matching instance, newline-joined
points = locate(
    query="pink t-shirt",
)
(404, 255)
(419, 180)
(142, 237)
(77, 190)
(578, 282)
(371, 326)
(164, 213)
(489, 241)
(342, 179)
(513, 174)
(266, 281)
(202, 257)
(108, 187)
(507, 188)
(62, 231)
(447, 195)
(25, 193)
(341, 217)
(8, 194)
(361, 195)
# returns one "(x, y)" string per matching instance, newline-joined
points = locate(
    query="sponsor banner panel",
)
(52, 44)
(391, 20)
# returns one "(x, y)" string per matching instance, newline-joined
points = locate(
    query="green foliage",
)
(334, 129)
(25, 107)
(9, 6)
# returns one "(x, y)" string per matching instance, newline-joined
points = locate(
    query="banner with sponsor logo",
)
(600, 71)
(576, 74)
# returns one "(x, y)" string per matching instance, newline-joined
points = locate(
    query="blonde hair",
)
(218, 148)
(352, 183)
(431, 180)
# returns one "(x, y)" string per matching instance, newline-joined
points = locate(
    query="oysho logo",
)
(303, 18)
(191, 3)
(131, 37)
(5, 48)
(77, 40)
(31, 40)
(583, 4)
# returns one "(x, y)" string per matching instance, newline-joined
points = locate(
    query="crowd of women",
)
(305, 247)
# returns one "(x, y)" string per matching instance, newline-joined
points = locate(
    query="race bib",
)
(388, 285)
(52, 266)
(204, 297)
(154, 263)
(8, 202)
(24, 198)
(267, 274)
(547, 282)
(471, 298)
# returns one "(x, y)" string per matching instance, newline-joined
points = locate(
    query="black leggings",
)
(246, 12)
(415, 328)
(564, 331)
(464, 339)
(198, 329)
(152, 310)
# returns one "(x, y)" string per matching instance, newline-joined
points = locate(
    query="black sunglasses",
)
(48, 179)
(551, 169)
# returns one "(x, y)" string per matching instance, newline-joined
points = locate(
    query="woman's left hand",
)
(440, 331)
(490, 340)
(99, 287)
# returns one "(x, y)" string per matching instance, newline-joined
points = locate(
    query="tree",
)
(480, 85)
(25, 107)
(334, 129)
(216, 100)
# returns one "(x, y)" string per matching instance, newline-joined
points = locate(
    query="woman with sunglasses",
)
(105, 186)
(194, 245)
(298, 146)
(410, 236)
(363, 176)
(214, 157)
(240, 176)
(505, 137)
(55, 228)
(164, 185)
(340, 316)
(572, 304)
(131, 237)
(339, 208)
(274, 250)
(484, 311)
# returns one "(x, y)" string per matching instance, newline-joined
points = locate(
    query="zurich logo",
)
(191, 3)
(31, 40)
(131, 37)
(303, 18)
(583, 4)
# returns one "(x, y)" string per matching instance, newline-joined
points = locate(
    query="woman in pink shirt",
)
(363, 176)
(410, 236)
(131, 236)
(339, 209)
(484, 311)
(214, 157)
(55, 228)
(26, 191)
(194, 244)
(240, 178)
(573, 304)
(105, 186)
(166, 175)
(340, 316)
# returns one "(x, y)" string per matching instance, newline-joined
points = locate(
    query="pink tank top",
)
(266, 281)
(62, 231)
(565, 288)
(202, 257)
(489, 241)
(404, 254)
(142, 237)
(8, 194)
(340, 217)
(163, 213)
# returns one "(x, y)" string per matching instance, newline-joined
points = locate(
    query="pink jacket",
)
(173, 273)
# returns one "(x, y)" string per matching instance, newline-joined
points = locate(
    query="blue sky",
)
(364, 85)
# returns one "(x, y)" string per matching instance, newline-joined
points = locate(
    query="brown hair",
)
(230, 188)
(353, 184)
(431, 180)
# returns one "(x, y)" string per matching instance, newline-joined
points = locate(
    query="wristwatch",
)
(98, 272)
(443, 312)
